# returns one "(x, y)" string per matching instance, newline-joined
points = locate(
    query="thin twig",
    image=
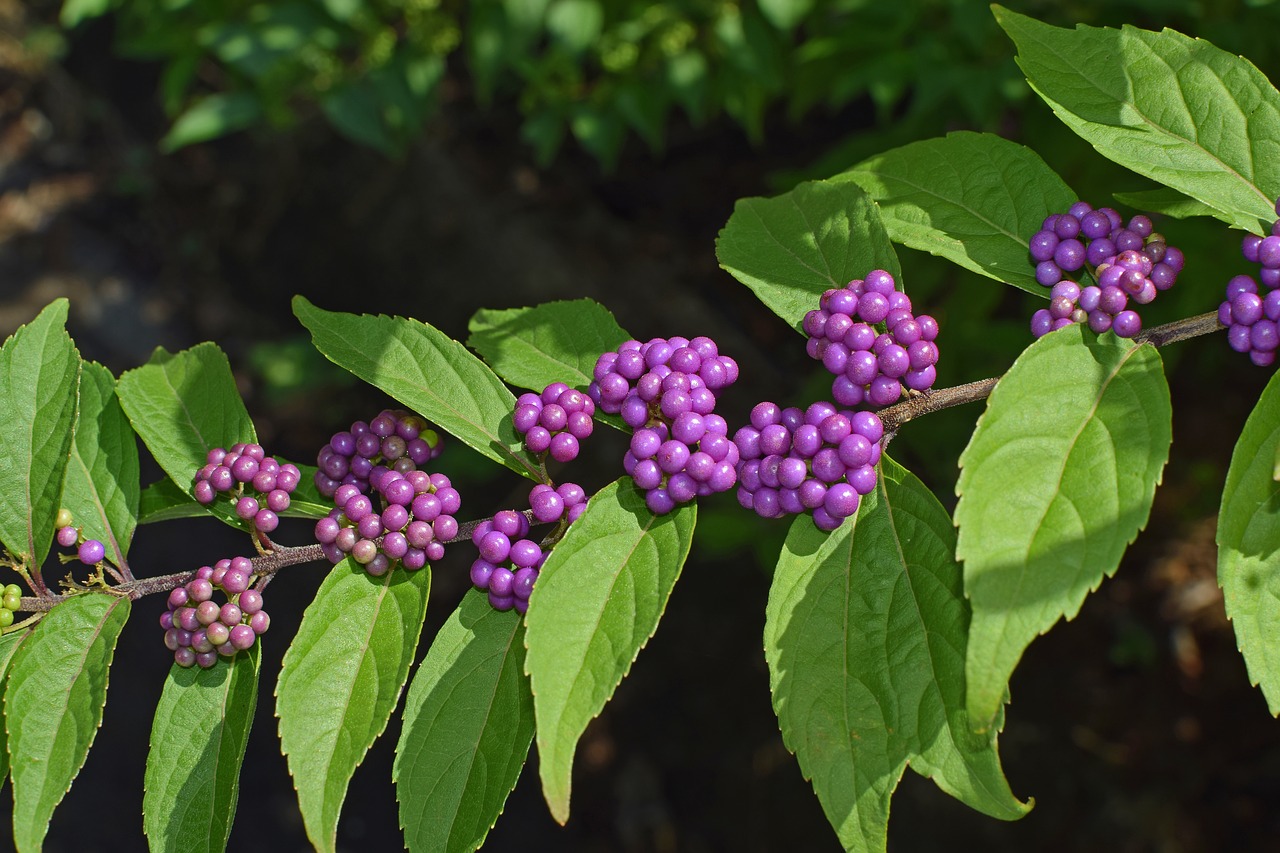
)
(275, 559)
(971, 392)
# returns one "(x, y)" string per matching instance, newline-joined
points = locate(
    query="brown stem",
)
(944, 398)
(275, 559)
(267, 564)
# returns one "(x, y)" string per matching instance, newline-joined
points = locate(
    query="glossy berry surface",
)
(866, 335)
(199, 629)
(1251, 310)
(1099, 270)
(665, 390)
(820, 460)
(257, 486)
(388, 511)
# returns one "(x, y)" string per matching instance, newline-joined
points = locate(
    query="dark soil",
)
(1134, 726)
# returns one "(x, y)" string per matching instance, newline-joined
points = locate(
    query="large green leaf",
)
(865, 638)
(1165, 202)
(9, 644)
(972, 198)
(101, 488)
(1248, 540)
(198, 742)
(597, 602)
(468, 723)
(426, 370)
(53, 705)
(39, 369)
(551, 342)
(182, 406)
(1056, 482)
(790, 248)
(1175, 109)
(341, 679)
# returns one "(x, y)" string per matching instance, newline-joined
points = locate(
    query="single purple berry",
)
(235, 581)
(92, 552)
(1126, 324)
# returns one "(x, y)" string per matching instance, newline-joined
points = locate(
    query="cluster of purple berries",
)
(258, 483)
(395, 439)
(197, 629)
(410, 522)
(1130, 263)
(1251, 316)
(88, 551)
(555, 421)
(820, 460)
(509, 561)
(386, 508)
(674, 464)
(665, 389)
(870, 366)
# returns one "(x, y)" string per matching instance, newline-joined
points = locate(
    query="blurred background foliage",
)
(601, 72)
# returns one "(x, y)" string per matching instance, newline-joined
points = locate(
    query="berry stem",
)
(944, 398)
(266, 564)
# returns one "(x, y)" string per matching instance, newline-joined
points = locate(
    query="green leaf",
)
(597, 602)
(75, 11)
(39, 371)
(575, 24)
(864, 637)
(1056, 482)
(101, 486)
(1175, 109)
(211, 117)
(9, 644)
(1248, 537)
(551, 342)
(427, 371)
(353, 109)
(183, 406)
(972, 198)
(341, 679)
(53, 705)
(790, 248)
(468, 723)
(164, 500)
(785, 14)
(198, 742)
(1166, 202)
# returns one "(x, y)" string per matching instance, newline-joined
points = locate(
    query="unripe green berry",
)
(63, 518)
(6, 618)
(364, 551)
(218, 633)
(11, 602)
(12, 589)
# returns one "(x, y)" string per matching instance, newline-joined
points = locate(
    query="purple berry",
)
(92, 552)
